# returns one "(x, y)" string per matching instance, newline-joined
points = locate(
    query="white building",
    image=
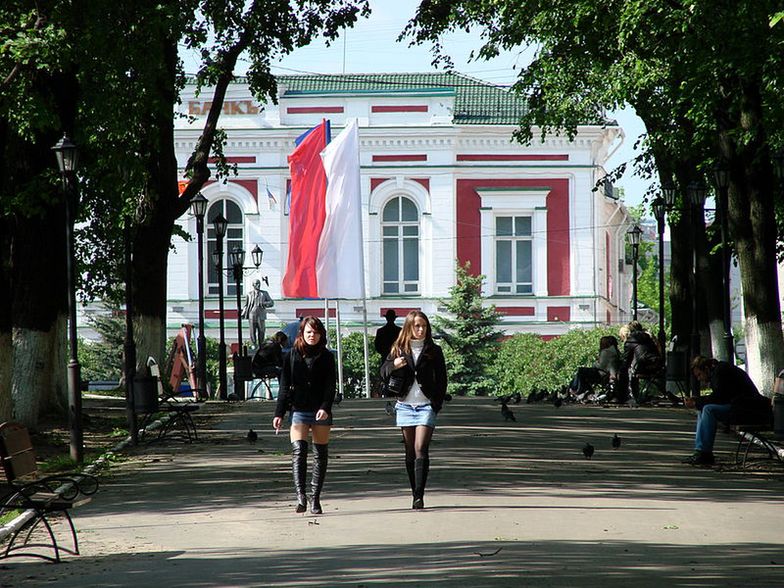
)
(442, 181)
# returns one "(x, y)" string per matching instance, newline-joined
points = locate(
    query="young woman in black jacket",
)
(418, 364)
(307, 389)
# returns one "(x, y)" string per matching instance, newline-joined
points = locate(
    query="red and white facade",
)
(434, 193)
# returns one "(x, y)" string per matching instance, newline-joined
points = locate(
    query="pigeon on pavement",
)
(616, 441)
(507, 412)
(252, 436)
(588, 451)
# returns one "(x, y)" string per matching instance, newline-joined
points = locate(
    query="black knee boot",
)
(320, 459)
(299, 466)
(421, 468)
(410, 472)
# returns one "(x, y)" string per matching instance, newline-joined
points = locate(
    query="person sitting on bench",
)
(641, 356)
(734, 399)
(268, 360)
(606, 369)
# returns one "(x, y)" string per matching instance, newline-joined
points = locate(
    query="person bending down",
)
(734, 399)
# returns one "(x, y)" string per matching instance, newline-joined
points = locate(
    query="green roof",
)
(476, 102)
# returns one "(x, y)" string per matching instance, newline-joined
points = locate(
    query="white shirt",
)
(415, 396)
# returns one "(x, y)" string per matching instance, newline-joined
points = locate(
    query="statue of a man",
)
(256, 304)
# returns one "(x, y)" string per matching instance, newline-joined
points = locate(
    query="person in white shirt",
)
(416, 365)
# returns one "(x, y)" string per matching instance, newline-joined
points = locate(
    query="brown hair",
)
(299, 343)
(402, 344)
(608, 341)
(703, 363)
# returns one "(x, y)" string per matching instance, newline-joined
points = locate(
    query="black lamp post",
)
(237, 258)
(659, 210)
(634, 235)
(67, 160)
(696, 194)
(198, 208)
(721, 178)
(219, 225)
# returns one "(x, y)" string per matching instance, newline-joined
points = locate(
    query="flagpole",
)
(326, 317)
(340, 348)
(365, 341)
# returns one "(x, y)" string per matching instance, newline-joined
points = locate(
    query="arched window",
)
(400, 245)
(234, 238)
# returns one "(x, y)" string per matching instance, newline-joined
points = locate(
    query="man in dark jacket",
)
(386, 335)
(734, 399)
(641, 356)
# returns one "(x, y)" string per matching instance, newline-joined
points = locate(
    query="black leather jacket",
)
(429, 372)
(306, 388)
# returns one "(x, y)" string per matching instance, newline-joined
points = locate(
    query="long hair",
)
(299, 343)
(608, 341)
(402, 344)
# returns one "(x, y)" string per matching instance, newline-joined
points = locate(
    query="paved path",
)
(509, 504)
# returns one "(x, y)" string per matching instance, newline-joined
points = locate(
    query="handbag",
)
(393, 385)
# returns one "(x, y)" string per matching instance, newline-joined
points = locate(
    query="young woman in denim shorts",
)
(419, 363)
(307, 389)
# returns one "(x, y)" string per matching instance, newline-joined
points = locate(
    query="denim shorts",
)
(407, 415)
(302, 417)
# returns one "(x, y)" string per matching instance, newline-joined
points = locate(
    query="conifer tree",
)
(470, 334)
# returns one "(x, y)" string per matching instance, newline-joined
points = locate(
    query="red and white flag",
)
(306, 213)
(325, 220)
(339, 265)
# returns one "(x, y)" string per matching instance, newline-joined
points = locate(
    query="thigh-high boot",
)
(299, 467)
(320, 459)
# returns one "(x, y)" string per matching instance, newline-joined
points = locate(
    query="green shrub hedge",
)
(526, 362)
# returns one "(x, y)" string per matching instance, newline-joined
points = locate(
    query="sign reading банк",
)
(230, 107)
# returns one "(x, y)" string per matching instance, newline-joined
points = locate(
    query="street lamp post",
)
(696, 194)
(237, 258)
(721, 178)
(219, 225)
(67, 160)
(634, 238)
(198, 208)
(659, 209)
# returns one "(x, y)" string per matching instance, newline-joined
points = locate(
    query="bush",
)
(354, 363)
(526, 362)
(103, 359)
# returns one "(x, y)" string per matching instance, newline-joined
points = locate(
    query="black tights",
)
(417, 442)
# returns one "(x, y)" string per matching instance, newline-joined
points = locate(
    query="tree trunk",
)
(6, 367)
(150, 339)
(752, 226)
(6, 349)
(163, 206)
(153, 235)
(39, 302)
(33, 373)
(681, 299)
(715, 299)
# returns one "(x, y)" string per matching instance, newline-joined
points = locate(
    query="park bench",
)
(178, 409)
(36, 500)
(755, 435)
(761, 435)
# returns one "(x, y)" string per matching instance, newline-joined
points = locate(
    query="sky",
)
(371, 47)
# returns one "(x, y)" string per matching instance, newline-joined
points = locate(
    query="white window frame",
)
(379, 196)
(506, 202)
(401, 238)
(513, 239)
(229, 286)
